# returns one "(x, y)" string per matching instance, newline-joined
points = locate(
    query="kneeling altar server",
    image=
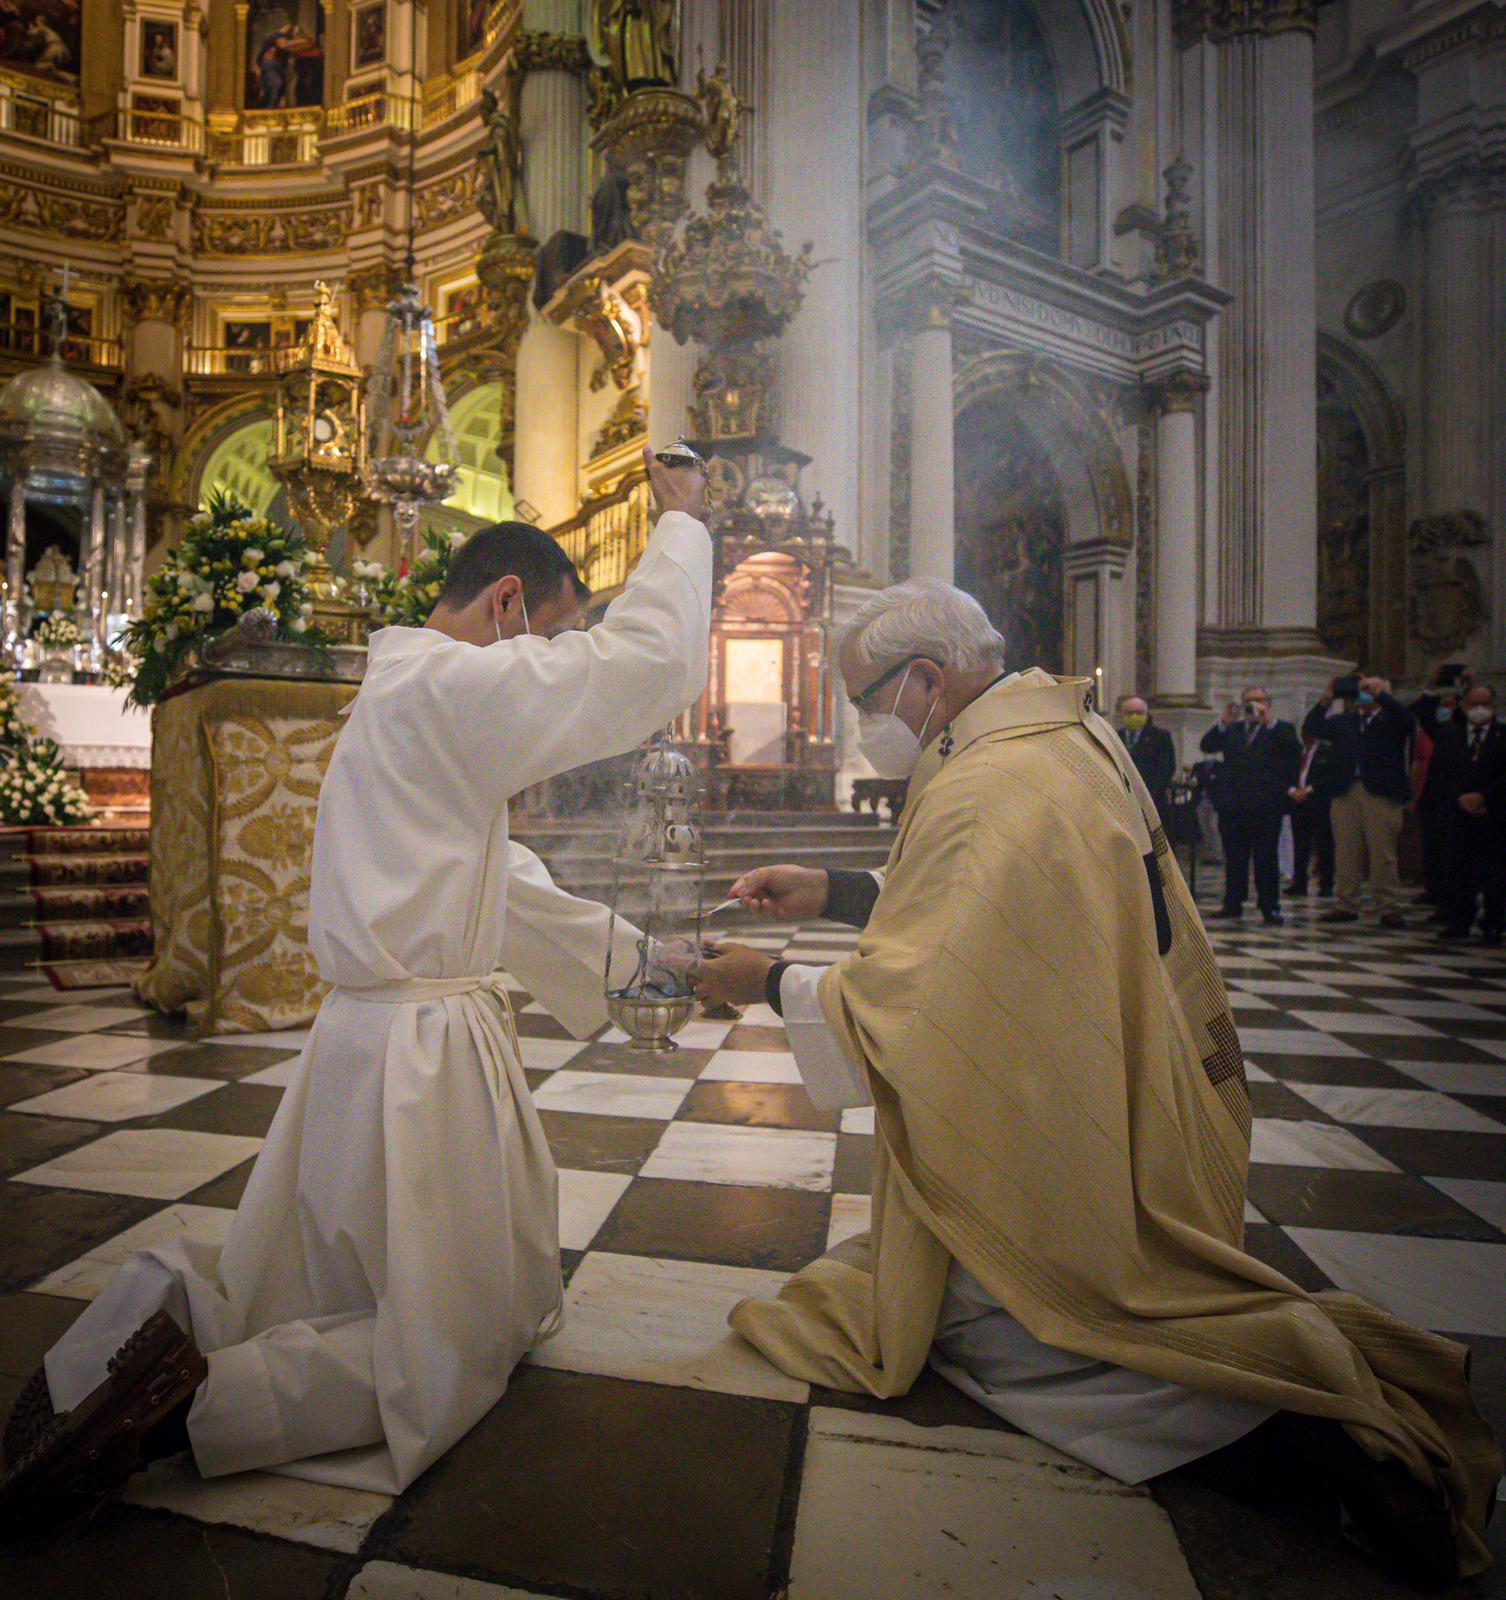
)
(396, 1252)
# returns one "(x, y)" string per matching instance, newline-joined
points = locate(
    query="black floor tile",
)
(1363, 1202)
(240, 1108)
(45, 1228)
(756, 1105)
(778, 1229)
(27, 1140)
(600, 1144)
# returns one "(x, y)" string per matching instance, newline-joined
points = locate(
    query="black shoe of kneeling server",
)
(86, 1455)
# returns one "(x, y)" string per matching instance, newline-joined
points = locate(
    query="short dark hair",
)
(510, 549)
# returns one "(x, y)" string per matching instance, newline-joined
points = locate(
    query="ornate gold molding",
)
(372, 287)
(152, 220)
(248, 233)
(540, 51)
(166, 300)
(1218, 20)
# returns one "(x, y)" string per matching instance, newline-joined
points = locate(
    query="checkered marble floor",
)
(646, 1452)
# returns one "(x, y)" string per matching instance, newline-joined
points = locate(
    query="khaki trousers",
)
(1366, 827)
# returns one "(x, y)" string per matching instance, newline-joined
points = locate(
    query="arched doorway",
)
(483, 492)
(1361, 527)
(1011, 526)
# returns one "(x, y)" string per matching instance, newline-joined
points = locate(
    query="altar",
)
(90, 723)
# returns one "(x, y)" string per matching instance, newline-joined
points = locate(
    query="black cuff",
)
(850, 896)
(771, 985)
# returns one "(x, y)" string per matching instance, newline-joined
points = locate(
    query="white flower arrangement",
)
(35, 789)
(57, 631)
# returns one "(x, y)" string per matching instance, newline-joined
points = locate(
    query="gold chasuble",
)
(1062, 1107)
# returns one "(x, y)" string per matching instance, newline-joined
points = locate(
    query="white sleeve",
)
(555, 944)
(586, 696)
(831, 1079)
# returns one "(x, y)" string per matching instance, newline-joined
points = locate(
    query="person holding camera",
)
(1368, 729)
(1261, 758)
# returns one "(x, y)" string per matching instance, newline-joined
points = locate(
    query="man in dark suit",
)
(1435, 709)
(1150, 748)
(1470, 757)
(1261, 759)
(1312, 828)
(1369, 730)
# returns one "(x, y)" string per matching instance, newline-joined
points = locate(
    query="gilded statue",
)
(722, 107)
(501, 199)
(637, 41)
(324, 331)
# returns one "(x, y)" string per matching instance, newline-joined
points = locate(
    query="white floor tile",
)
(1409, 971)
(276, 1038)
(1449, 1285)
(761, 1016)
(95, 1052)
(1457, 1077)
(1491, 1047)
(1395, 1108)
(857, 1119)
(283, 1508)
(1251, 1214)
(278, 1076)
(665, 1322)
(891, 1511)
(818, 955)
(751, 1066)
(1286, 987)
(710, 1152)
(1254, 1074)
(613, 1094)
(1350, 978)
(1283, 1143)
(385, 1580)
(586, 1199)
(701, 1033)
(84, 1278)
(1292, 1042)
(1436, 1010)
(76, 1018)
(850, 1214)
(1485, 1199)
(547, 1054)
(1366, 1022)
(1240, 1001)
(118, 1096)
(158, 1163)
(1474, 995)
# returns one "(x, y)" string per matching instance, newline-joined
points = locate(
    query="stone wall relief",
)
(1447, 603)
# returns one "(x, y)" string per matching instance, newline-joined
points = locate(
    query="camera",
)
(1346, 688)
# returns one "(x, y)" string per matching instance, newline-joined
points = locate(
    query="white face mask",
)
(497, 621)
(888, 743)
(1479, 716)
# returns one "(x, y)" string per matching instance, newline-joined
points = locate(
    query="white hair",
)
(924, 617)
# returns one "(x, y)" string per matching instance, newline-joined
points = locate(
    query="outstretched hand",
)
(792, 894)
(676, 488)
(731, 974)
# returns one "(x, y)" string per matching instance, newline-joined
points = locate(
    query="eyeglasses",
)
(861, 702)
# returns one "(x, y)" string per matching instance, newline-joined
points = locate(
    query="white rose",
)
(298, 625)
(202, 602)
(185, 580)
(457, 539)
(246, 582)
(306, 609)
(270, 591)
(251, 557)
(285, 569)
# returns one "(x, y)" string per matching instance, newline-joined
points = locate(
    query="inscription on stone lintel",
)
(1084, 330)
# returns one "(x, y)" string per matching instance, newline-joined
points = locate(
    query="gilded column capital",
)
(1178, 391)
(168, 300)
(372, 287)
(1218, 20)
(1475, 182)
(540, 51)
(928, 303)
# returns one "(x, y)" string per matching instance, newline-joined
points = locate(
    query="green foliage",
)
(406, 599)
(229, 561)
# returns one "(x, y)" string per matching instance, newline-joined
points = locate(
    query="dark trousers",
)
(1432, 822)
(1251, 837)
(1476, 873)
(1312, 833)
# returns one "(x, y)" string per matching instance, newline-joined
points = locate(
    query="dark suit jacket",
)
(1460, 773)
(1155, 758)
(1320, 778)
(1258, 769)
(1372, 751)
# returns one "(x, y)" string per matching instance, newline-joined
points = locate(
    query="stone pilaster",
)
(933, 535)
(1177, 401)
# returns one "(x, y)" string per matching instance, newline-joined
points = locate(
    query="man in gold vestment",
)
(1062, 1123)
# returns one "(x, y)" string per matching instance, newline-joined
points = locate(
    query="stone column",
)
(1176, 400)
(1260, 57)
(1100, 617)
(932, 485)
(816, 192)
(551, 123)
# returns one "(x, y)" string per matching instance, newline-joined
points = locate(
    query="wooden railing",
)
(606, 536)
(208, 361)
(79, 349)
(268, 139)
(444, 100)
(40, 117)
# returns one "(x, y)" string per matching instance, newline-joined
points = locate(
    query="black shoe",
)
(1273, 919)
(1325, 891)
(1338, 915)
(1404, 1523)
(1232, 913)
(87, 1455)
(1392, 919)
(1453, 933)
(1298, 889)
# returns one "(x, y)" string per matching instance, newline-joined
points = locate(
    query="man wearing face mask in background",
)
(1061, 1123)
(1433, 711)
(1471, 762)
(1261, 758)
(1368, 729)
(1150, 748)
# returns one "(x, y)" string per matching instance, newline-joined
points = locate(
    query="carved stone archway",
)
(1351, 379)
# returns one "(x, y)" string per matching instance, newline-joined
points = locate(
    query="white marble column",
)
(1457, 356)
(1176, 400)
(1262, 70)
(932, 488)
(816, 192)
